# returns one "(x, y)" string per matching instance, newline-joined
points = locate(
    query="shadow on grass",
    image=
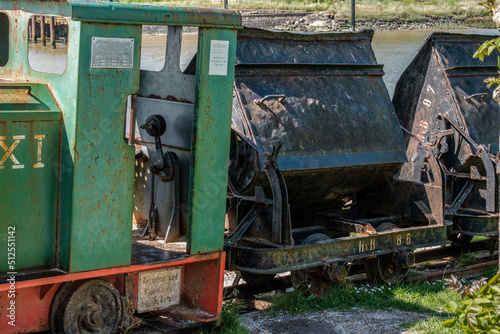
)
(421, 298)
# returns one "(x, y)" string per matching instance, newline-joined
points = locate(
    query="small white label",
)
(219, 51)
(159, 289)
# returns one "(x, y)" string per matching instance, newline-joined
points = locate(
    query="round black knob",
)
(155, 125)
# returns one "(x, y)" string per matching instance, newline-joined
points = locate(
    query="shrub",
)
(479, 309)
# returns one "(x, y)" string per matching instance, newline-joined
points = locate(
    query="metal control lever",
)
(155, 126)
(164, 167)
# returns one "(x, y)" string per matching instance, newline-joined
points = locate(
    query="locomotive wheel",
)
(256, 279)
(86, 307)
(384, 269)
(460, 240)
(313, 280)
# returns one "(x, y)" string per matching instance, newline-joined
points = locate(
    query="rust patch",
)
(168, 98)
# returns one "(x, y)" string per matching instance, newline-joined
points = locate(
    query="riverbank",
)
(314, 15)
(290, 20)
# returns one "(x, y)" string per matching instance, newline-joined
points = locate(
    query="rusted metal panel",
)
(141, 14)
(256, 46)
(30, 124)
(323, 97)
(443, 101)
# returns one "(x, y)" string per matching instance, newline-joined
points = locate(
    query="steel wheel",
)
(385, 269)
(86, 307)
(319, 280)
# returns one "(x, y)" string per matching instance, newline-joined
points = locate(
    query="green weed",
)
(490, 272)
(422, 298)
(431, 325)
(230, 322)
(465, 260)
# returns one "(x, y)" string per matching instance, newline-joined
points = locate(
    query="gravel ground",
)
(326, 322)
(355, 321)
(331, 322)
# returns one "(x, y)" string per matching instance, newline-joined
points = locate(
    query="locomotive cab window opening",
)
(156, 49)
(153, 47)
(189, 47)
(48, 43)
(4, 39)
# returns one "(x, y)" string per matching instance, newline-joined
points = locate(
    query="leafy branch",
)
(485, 50)
(479, 310)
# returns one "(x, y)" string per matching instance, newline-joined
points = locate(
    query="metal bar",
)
(277, 202)
(100, 11)
(276, 260)
(456, 127)
(461, 197)
(353, 14)
(20, 283)
(244, 224)
(281, 99)
(490, 182)
(309, 69)
(482, 96)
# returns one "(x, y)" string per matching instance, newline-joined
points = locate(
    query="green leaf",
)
(495, 278)
(481, 300)
(494, 287)
(474, 309)
(491, 49)
(452, 306)
(449, 323)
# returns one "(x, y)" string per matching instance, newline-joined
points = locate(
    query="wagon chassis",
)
(311, 249)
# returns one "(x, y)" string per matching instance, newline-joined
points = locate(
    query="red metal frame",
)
(202, 287)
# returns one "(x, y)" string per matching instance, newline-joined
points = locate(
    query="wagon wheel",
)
(384, 268)
(257, 279)
(318, 280)
(460, 240)
(86, 307)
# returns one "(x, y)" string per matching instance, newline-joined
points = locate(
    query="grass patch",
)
(490, 272)
(421, 298)
(382, 10)
(465, 260)
(431, 325)
(230, 322)
(479, 238)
